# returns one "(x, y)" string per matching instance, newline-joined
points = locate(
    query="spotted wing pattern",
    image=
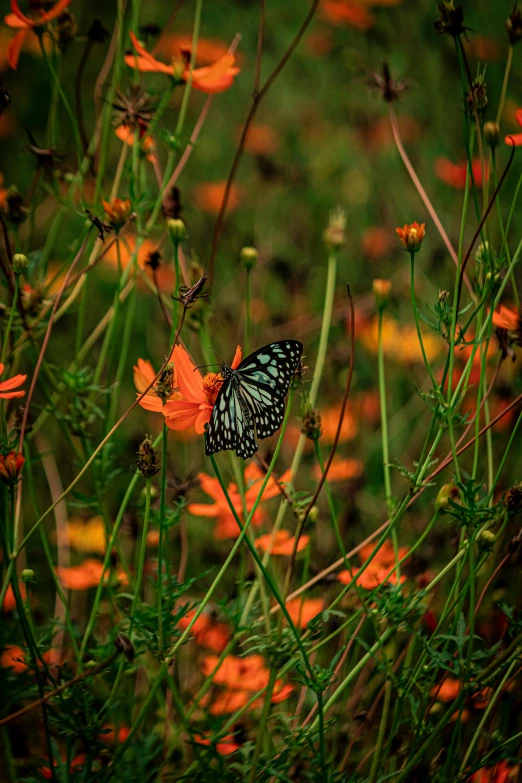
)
(251, 401)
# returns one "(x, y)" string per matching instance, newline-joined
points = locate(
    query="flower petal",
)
(153, 64)
(144, 65)
(22, 17)
(203, 418)
(203, 509)
(12, 20)
(143, 374)
(188, 378)
(12, 383)
(180, 414)
(236, 361)
(55, 11)
(10, 395)
(14, 48)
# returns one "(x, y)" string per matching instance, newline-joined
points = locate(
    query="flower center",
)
(212, 383)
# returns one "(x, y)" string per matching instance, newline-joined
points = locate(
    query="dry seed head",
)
(148, 464)
(514, 24)
(311, 422)
(513, 500)
(335, 233)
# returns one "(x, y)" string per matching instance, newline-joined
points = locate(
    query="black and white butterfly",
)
(251, 401)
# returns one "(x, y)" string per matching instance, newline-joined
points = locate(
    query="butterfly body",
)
(250, 402)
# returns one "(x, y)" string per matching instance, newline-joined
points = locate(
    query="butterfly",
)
(251, 401)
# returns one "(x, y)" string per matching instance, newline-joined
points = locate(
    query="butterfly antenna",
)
(200, 366)
(218, 356)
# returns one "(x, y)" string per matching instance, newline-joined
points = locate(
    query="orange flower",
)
(86, 575)
(302, 611)
(108, 737)
(241, 677)
(76, 763)
(225, 745)
(400, 343)
(144, 374)
(341, 12)
(515, 138)
(11, 467)
(330, 420)
(198, 393)
(283, 543)
(341, 470)
(411, 236)
(455, 174)
(227, 526)
(210, 79)
(448, 690)
(13, 657)
(207, 50)
(209, 196)
(376, 242)
(507, 318)
(9, 604)
(214, 636)
(500, 773)
(376, 573)
(25, 24)
(261, 140)
(126, 135)
(6, 387)
(3, 194)
(117, 211)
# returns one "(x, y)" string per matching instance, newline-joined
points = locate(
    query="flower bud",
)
(14, 207)
(381, 292)
(411, 236)
(177, 230)
(20, 263)
(249, 256)
(514, 24)
(27, 575)
(486, 539)
(335, 233)
(492, 133)
(66, 29)
(311, 422)
(117, 211)
(446, 493)
(11, 467)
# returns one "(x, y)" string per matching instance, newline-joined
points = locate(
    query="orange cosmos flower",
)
(109, 736)
(515, 138)
(86, 575)
(302, 611)
(376, 242)
(210, 79)
(377, 571)
(261, 140)
(227, 526)
(25, 24)
(9, 604)
(448, 690)
(126, 135)
(144, 375)
(209, 196)
(455, 174)
(507, 318)
(207, 50)
(6, 387)
(341, 470)
(241, 677)
(212, 635)
(341, 12)
(14, 657)
(411, 236)
(500, 773)
(330, 420)
(283, 543)
(198, 393)
(225, 745)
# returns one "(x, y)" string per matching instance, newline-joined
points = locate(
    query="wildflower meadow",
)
(260, 391)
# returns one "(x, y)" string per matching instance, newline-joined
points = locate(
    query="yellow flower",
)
(87, 536)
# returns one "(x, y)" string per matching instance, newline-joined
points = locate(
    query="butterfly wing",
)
(264, 380)
(230, 425)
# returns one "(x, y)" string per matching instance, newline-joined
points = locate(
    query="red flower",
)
(10, 467)
(6, 387)
(25, 25)
(455, 174)
(210, 79)
(411, 236)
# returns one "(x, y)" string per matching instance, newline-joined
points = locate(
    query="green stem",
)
(5, 346)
